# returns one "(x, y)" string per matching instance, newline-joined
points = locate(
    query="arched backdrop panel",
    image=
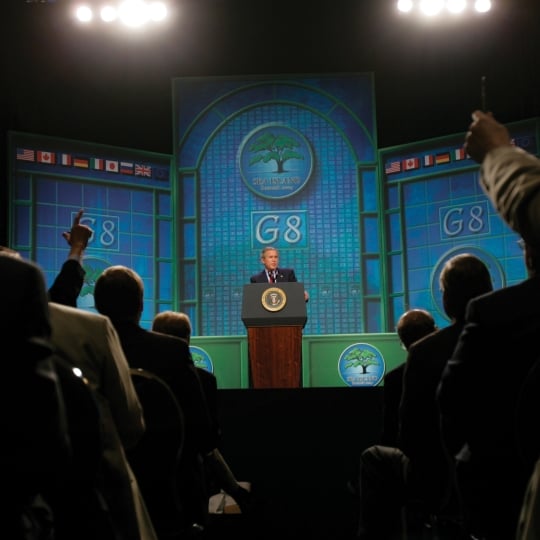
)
(319, 206)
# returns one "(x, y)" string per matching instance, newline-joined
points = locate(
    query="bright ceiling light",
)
(405, 5)
(83, 13)
(482, 5)
(431, 7)
(133, 13)
(108, 14)
(157, 11)
(456, 6)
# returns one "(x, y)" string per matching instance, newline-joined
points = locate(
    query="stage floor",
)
(298, 448)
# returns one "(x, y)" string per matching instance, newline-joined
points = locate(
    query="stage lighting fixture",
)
(431, 8)
(132, 13)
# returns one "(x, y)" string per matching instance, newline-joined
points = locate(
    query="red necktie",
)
(272, 277)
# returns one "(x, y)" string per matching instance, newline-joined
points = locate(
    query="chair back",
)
(527, 416)
(78, 498)
(156, 457)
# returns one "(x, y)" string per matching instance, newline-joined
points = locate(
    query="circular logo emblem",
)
(361, 364)
(275, 161)
(274, 299)
(201, 358)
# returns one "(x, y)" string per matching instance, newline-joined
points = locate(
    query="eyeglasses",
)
(521, 243)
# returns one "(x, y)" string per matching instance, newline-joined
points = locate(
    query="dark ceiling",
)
(112, 88)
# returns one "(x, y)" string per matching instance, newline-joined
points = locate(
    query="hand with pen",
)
(485, 134)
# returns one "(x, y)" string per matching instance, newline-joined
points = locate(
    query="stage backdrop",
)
(127, 199)
(287, 161)
(261, 164)
(435, 208)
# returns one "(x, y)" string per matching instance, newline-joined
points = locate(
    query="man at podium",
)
(271, 273)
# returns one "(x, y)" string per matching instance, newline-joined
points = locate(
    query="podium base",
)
(275, 356)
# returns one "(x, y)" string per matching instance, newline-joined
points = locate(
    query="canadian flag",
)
(46, 157)
(411, 163)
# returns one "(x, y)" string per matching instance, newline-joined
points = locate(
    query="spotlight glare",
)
(133, 13)
(108, 14)
(405, 5)
(157, 11)
(431, 7)
(456, 6)
(83, 14)
(482, 6)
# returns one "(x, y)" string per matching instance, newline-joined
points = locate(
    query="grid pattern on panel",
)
(328, 266)
(444, 216)
(123, 224)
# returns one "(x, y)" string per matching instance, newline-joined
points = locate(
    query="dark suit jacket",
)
(67, 284)
(283, 274)
(210, 388)
(479, 390)
(24, 309)
(392, 390)
(419, 432)
(169, 358)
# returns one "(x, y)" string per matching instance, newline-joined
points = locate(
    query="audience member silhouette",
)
(36, 445)
(178, 324)
(481, 383)
(90, 342)
(413, 325)
(528, 441)
(118, 293)
(113, 509)
(529, 518)
(419, 470)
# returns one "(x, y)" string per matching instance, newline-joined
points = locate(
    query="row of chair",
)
(156, 457)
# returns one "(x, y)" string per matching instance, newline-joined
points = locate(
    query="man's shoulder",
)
(75, 313)
(138, 343)
(524, 297)
(166, 340)
(435, 344)
(395, 375)
(255, 277)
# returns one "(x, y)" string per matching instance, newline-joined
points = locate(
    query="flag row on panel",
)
(91, 163)
(427, 160)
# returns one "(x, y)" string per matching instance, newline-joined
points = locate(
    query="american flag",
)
(143, 170)
(392, 167)
(24, 154)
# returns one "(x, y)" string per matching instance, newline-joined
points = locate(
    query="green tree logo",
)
(278, 148)
(362, 358)
(198, 360)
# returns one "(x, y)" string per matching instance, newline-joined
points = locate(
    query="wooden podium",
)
(274, 315)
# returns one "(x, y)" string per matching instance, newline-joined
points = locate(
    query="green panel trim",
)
(230, 359)
(320, 357)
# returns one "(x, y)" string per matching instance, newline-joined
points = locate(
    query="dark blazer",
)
(169, 358)
(23, 300)
(283, 274)
(478, 394)
(392, 390)
(419, 431)
(67, 284)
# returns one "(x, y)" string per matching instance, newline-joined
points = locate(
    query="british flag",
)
(143, 170)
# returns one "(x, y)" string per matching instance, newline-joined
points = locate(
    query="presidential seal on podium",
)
(274, 299)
